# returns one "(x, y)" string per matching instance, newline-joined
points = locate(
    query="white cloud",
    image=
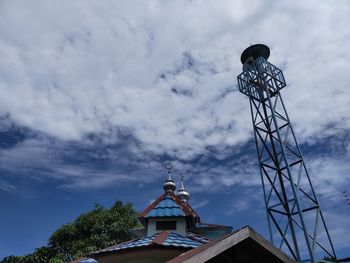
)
(199, 204)
(338, 223)
(330, 177)
(7, 187)
(73, 167)
(77, 68)
(164, 74)
(238, 206)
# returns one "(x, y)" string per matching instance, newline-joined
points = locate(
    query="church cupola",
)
(182, 194)
(171, 211)
(169, 184)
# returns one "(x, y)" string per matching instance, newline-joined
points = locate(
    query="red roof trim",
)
(185, 206)
(197, 250)
(160, 238)
(188, 210)
(153, 205)
(180, 204)
(194, 213)
(182, 257)
(240, 235)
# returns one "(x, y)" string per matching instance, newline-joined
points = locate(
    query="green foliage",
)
(21, 259)
(99, 228)
(10, 259)
(56, 260)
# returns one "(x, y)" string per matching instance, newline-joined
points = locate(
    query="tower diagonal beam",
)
(288, 192)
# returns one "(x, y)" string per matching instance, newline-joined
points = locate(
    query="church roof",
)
(165, 239)
(169, 205)
(246, 244)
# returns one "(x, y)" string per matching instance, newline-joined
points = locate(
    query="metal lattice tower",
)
(295, 220)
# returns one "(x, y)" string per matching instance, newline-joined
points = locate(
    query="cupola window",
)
(166, 225)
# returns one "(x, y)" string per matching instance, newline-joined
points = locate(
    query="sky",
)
(97, 96)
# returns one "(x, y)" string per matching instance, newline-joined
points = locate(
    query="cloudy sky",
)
(96, 96)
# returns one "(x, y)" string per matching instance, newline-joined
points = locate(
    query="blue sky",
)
(96, 96)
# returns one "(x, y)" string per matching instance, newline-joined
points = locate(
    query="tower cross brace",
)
(296, 223)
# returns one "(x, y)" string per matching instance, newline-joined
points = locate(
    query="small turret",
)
(169, 184)
(182, 194)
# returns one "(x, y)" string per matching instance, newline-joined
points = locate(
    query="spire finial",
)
(169, 184)
(182, 177)
(169, 167)
(182, 193)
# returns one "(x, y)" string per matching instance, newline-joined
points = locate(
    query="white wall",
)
(180, 225)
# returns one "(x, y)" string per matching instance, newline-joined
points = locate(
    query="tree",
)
(97, 229)
(21, 259)
(56, 260)
(10, 259)
(94, 230)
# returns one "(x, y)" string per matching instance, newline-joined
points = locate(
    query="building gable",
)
(243, 246)
(167, 207)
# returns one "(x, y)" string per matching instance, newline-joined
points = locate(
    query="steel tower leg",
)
(296, 223)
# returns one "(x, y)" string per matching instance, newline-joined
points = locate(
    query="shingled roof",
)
(169, 205)
(245, 245)
(165, 239)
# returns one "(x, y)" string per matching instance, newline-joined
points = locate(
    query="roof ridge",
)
(153, 205)
(160, 238)
(192, 236)
(231, 240)
(163, 239)
(166, 198)
(185, 207)
(122, 243)
(198, 238)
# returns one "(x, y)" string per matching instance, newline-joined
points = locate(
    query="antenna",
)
(295, 219)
